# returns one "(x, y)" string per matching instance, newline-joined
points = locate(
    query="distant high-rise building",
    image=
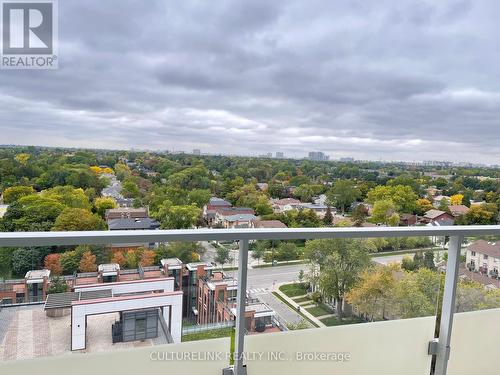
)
(269, 154)
(279, 155)
(196, 152)
(318, 156)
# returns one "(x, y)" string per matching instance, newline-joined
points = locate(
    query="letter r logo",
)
(27, 28)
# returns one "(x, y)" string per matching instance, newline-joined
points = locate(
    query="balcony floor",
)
(26, 333)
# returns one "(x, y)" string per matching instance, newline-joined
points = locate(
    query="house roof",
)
(458, 209)
(285, 201)
(487, 248)
(269, 224)
(240, 217)
(230, 211)
(433, 214)
(131, 223)
(125, 212)
(214, 201)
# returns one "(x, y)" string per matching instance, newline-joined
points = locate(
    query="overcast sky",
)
(392, 80)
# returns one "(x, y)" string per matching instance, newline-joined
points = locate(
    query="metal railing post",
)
(448, 305)
(239, 368)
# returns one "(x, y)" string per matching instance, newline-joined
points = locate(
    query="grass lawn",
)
(302, 299)
(319, 310)
(206, 335)
(294, 309)
(294, 290)
(334, 321)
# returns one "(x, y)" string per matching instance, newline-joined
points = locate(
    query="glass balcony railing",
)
(435, 332)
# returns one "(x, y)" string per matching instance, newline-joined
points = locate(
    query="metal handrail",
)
(8, 239)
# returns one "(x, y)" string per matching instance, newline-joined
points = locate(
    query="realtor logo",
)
(29, 34)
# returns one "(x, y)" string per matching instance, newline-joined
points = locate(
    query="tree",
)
(260, 250)
(372, 294)
(177, 217)
(359, 214)
(328, 218)
(383, 210)
(87, 262)
(103, 204)
(186, 251)
(287, 251)
(26, 259)
(199, 197)
(428, 261)
(130, 189)
(78, 219)
(12, 194)
(32, 213)
(478, 215)
(341, 261)
(68, 196)
(343, 194)
(6, 262)
(147, 258)
(305, 193)
(403, 197)
(118, 258)
(222, 256)
(52, 262)
(70, 261)
(57, 285)
(263, 207)
(422, 206)
(456, 199)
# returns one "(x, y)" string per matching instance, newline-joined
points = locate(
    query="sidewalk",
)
(296, 305)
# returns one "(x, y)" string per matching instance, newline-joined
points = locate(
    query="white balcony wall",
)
(389, 348)
(129, 362)
(475, 343)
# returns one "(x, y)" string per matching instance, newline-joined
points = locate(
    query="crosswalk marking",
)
(258, 291)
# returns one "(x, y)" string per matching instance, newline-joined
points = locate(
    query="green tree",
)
(26, 259)
(383, 210)
(341, 261)
(343, 194)
(186, 251)
(12, 194)
(78, 219)
(103, 204)
(58, 285)
(223, 256)
(402, 196)
(328, 218)
(177, 217)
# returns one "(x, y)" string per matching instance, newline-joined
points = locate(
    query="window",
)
(485, 256)
(473, 253)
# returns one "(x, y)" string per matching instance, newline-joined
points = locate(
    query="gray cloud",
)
(396, 80)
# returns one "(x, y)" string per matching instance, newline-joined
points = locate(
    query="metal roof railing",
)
(440, 348)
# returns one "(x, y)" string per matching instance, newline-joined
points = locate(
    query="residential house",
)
(458, 210)
(285, 204)
(211, 208)
(319, 209)
(438, 199)
(484, 257)
(268, 224)
(408, 220)
(222, 213)
(126, 213)
(239, 221)
(438, 218)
